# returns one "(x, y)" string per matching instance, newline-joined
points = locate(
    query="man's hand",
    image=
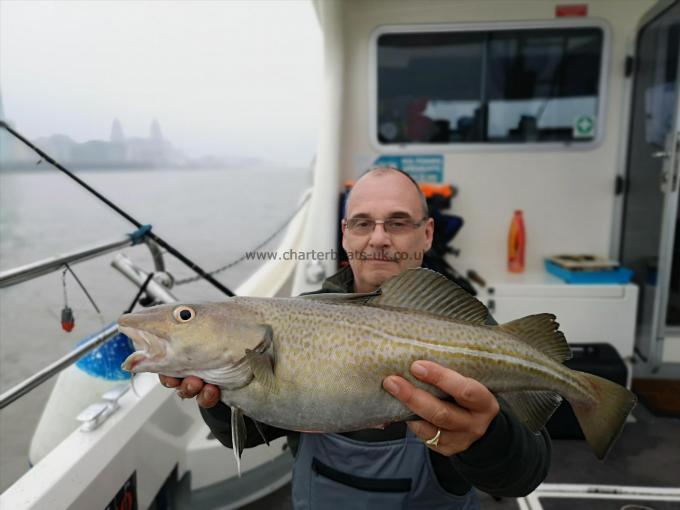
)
(189, 387)
(462, 423)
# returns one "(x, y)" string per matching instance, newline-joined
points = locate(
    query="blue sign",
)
(428, 168)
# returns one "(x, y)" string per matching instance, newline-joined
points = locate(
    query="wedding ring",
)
(435, 440)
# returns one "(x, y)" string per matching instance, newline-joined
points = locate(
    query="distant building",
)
(154, 151)
(117, 135)
(119, 151)
(155, 133)
(60, 147)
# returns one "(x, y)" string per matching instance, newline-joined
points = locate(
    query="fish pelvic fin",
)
(542, 333)
(261, 432)
(238, 436)
(532, 408)
(427, 291)
(603, 421)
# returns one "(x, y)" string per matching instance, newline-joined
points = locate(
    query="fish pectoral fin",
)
(533, 408)
(262, 366)
(542, 333)
(238, 435)
(427, 291)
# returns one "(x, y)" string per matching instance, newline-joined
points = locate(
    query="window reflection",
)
(504, 86)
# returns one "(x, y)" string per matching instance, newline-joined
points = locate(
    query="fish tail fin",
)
(603, 420)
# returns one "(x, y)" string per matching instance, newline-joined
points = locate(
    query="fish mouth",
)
(150, 348)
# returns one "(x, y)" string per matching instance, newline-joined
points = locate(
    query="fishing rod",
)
(172, 250)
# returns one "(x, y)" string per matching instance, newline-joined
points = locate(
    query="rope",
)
(243, 257)
(120, 211)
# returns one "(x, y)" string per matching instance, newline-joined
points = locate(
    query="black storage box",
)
(598, 359)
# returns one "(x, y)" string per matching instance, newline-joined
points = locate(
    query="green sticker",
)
(584, 126)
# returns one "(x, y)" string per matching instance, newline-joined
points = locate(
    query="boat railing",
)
(43, 375)
(42, 267)
(157, 291)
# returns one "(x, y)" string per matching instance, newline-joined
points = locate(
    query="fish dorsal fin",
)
(342, 298)
(542, 333)
(533, 408)
(428, 291)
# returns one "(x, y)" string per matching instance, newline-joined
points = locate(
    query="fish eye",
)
(183, 314)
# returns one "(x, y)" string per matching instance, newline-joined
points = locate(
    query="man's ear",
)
(343, 227)
(429, 233)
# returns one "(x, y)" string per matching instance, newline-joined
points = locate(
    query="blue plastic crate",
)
(620, 275)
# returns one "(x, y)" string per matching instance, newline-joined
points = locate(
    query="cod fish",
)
(316, 363)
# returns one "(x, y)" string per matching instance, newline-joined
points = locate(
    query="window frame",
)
(412, 148)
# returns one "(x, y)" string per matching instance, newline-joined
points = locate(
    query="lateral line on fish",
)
(508, 359)
(374, 335)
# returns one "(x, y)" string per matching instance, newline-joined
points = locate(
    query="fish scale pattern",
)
(341, 352)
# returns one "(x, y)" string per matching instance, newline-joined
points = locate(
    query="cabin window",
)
(501, 86)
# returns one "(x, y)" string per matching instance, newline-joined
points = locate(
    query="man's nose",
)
(379, 237)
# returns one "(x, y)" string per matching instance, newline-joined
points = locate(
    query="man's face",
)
(379, 255)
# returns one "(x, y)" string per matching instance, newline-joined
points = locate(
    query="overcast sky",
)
(223, 77)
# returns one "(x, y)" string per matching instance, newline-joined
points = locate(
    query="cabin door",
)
(650, 237)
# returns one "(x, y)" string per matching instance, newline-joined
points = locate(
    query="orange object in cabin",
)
(516, 243)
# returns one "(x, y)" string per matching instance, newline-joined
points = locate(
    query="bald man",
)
(468, 441)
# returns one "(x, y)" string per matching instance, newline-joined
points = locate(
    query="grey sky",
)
(223, 77)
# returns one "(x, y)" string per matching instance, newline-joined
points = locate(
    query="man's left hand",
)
(462, 423)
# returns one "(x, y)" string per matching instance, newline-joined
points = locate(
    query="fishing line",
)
(172, 250)
(63, 284)
(68, 268)
(67, 318)
(139, 294)
(246, 254)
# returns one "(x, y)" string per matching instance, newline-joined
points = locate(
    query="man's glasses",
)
(396, 226)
